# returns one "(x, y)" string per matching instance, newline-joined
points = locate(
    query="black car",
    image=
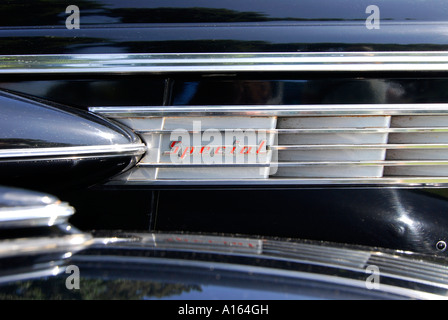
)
(223, 150)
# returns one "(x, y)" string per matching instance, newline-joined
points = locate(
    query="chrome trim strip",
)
(384, 181)
(44, 245)
(274, 110)
(202, 165)
(360, 146)
(313, 131)
(49, 215)
(298, 164)
(50, 271)
(225, 62)
(69, 152)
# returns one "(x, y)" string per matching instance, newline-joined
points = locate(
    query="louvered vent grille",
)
(332, 147)
(423, 139)
(289, 146)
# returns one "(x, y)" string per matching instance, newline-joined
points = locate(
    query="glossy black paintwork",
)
(402, 219)
(136, 272)
(87, 92)
(116, 12)
(26, 123)
(276, 89)
(412, 220)
(221, 26)
(14, 197)
(60, 174)
(309, 90)
(106, 209)
(252, 38)
(200, 266)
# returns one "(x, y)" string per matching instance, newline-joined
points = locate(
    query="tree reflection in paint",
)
(93, 289)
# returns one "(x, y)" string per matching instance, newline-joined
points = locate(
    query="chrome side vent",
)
(314, 144)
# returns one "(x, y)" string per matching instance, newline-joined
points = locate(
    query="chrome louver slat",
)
(305, 144)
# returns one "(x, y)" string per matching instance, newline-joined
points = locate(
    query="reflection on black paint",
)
(228, 92)
(125, 91)
(101, 12)
(326, 91)
(93, 289)
(113, 26)
(146, 91)
(389, 218)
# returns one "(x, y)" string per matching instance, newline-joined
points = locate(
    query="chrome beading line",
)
(384, 181)
(301, 163)
(274, 110)
(361, 146)
(225, 62)
(68, 152)
(313, 131)
(44, 245)
(44, 215)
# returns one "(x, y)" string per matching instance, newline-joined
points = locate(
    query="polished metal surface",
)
(37, 237)
(328, 130)
(362, 146)
(405, 182)
(44, 245)
(45, 271)
(274, 110)
(21, 208)
(79, 152)
(224, 62)
(298, 164)
(33, 216)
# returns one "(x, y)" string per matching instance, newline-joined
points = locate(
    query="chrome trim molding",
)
(225, 62)
(383, 181)
(72, 152)
(49, 215)
(45, 245)
(47, 271)
(362, 146)
(274, 110)
(329, 130)
(298, 164)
